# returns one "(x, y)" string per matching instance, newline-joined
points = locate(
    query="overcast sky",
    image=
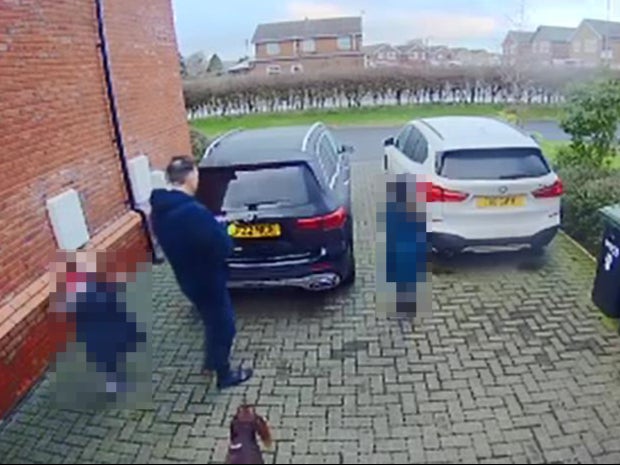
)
(223, 26)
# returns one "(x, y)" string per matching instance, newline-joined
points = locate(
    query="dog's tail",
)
(264, 432)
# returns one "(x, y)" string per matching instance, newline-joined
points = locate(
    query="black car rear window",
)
(233, 189)
(488, 164)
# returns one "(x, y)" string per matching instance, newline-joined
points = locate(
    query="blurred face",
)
(191, 183)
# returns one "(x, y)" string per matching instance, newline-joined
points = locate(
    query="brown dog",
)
(245, 426)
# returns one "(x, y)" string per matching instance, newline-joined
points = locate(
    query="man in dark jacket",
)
(197, 247)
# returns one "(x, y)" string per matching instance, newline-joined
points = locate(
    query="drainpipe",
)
(118, 136)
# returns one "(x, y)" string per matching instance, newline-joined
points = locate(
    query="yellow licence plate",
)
(491, 202)
(254, 231)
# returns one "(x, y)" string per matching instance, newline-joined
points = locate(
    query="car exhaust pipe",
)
(323, 282)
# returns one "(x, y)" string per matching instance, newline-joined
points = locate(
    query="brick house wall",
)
(545, 52)
(145, 66)
(290, 48)
(327, 56)
(508, 50)
(56, 134)
(614, 46)
(311, 65)
(287, 49)
(516, 51)
(586, 46)
(560, 50)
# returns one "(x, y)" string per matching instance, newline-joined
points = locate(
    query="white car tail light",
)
(437, 193)
(554, 190)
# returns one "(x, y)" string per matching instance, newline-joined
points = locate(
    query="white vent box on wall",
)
(68, 221)
(158, 179)
(140, 177)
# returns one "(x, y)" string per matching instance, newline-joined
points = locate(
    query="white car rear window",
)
(492, 164)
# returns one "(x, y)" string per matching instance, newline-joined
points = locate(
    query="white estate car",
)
(488, 183)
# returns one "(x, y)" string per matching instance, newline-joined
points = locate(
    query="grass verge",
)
(376, 116)
(551, 147)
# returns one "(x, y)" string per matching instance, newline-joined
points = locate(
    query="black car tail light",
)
(334, 220)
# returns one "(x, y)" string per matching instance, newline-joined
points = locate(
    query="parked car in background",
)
(488, 184)
(285, 197)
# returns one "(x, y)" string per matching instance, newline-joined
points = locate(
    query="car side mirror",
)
(389, 142)
(347, 149)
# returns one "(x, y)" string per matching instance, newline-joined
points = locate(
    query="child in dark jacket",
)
(91, 299)
(406, 244)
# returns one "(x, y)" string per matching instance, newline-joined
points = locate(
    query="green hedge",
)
(586, 190)
(200, 142)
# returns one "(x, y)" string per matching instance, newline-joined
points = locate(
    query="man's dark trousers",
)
(220, 332)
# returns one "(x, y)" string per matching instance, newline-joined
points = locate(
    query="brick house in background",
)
(308, 46)
(551, 44)
(441, 56)
(418, 54)
(474, 58)
(413, 54)
(59, 139)
(516, 47)
(596, 43)
(380, 55)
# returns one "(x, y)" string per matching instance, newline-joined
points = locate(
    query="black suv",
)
(285, 197)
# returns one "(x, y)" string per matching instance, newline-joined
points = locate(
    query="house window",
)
(297, 68)
(391, 55)
(381, 56)
(308, 46)
(273, 69)
(273, 48)
(415, 55)
(577, 46)
(590, 46)
(344, 43)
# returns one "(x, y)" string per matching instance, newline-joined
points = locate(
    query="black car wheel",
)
(445, 254)
(349, 279)
(538, 250)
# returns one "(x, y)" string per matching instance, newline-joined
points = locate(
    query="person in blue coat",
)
(406, 245)
(94, 300)
(197, 247)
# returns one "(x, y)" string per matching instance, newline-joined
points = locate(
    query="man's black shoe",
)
(234, 378)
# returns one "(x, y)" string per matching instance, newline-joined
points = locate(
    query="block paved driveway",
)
(513, 366)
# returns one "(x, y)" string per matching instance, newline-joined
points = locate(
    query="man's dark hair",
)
(179, 168)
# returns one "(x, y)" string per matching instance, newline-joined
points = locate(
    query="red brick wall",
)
(56, 130)
(145, 66)
(287, 49)
(312, 64)
(294, 48)
(56, 133)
